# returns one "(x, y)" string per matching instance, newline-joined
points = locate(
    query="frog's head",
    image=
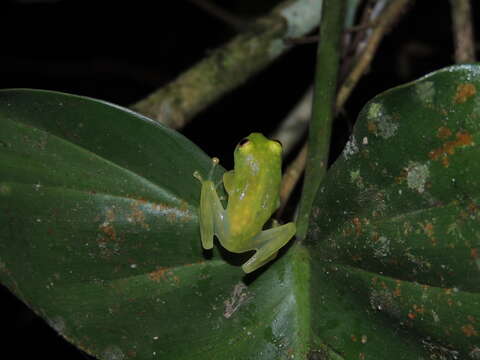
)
(256, 148)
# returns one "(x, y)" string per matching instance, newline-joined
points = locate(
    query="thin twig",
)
(362, 27)
(314, 38)
(390, 15)
(218, 12)
(462, 31)
(302, 40)
(290, 179)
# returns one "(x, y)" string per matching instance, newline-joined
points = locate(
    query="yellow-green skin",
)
(253, 188)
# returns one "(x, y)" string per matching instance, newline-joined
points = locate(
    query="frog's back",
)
(253, 190)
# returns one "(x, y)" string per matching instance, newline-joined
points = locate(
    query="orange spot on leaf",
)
(444, 132)
(448, 148)
(109, 230)
(358, 225)
(464, 92)
(159, 274)
(469, 330)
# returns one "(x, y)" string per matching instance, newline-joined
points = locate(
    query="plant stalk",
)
(323, 106)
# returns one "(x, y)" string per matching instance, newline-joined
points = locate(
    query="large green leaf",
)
(99, 235)
(395, 233)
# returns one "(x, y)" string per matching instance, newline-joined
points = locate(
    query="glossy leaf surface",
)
(395, 232)
(99, 235)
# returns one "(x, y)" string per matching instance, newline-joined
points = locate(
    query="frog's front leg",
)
(267, 243)
(211, 213)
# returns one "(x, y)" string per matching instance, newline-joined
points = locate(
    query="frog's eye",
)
(243, 142)
(278, 142)
(276, 146)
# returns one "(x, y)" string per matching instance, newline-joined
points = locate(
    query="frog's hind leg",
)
(258, 265)
(267, 244)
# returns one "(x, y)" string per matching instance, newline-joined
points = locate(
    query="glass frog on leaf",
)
(253, 188)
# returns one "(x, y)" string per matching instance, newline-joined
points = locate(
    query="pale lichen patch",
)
(357, 179)
(379, 122)
(425, 91)
(113, 353)
(381, 247)
(374, 111)
(475, 353)
(387, 128)
(383, 300)
(417, 176)
(239, 296)
(351, 148)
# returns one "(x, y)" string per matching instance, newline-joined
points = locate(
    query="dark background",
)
(121, 51)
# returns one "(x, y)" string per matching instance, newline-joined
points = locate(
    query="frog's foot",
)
(268, 242)
(259, 264)
(196, 174)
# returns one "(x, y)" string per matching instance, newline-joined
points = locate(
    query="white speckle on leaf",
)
(356, 178)
(386, 128)
(417, 176)
(384, 125)
(381, 247)
(425, 90)
(383, 300)
(113, 353)
(435, 316)
(354, 175)
(351, 148)
(475, 353)
(374, 111)
(239, 296)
